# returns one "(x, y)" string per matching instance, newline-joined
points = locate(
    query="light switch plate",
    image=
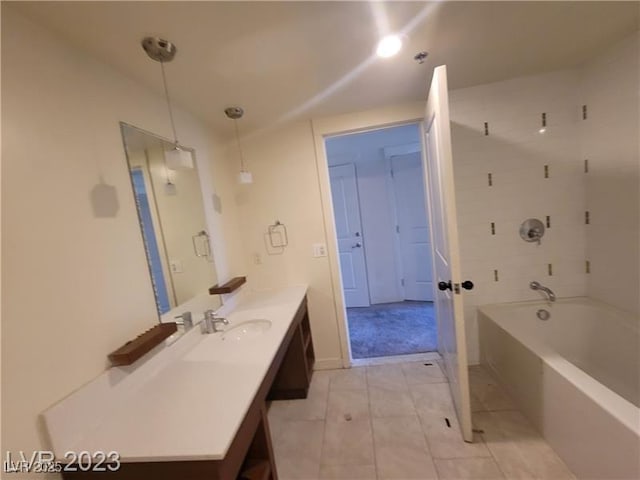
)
(319, 250)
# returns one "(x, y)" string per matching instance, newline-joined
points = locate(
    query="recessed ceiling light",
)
(389, 46)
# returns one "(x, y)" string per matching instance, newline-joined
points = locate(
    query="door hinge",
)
(391, 173)
(402, 282)
(456, 288)
(397, 228)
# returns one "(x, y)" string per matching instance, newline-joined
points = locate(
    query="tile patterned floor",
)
(387, 422)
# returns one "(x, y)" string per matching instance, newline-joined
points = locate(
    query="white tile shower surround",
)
(609, 139)
(515, 154)
(388, 422)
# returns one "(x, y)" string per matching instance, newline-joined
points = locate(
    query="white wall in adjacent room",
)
(375, 191)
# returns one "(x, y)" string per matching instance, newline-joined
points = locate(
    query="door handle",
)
(357, 245)
(467, 285)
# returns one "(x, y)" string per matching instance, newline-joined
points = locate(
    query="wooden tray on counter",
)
(228, 287)
(136, 348)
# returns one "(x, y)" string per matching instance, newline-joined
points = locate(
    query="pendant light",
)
(234, 113)
(162, 51)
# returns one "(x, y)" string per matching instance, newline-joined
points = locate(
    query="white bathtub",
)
(576, 376)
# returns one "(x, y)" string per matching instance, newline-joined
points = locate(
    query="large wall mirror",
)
(170, 208)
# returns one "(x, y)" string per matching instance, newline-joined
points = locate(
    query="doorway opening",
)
(384, 244)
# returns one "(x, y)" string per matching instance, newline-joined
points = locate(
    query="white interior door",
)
(449, 306)
(413, 227)
(346, 210)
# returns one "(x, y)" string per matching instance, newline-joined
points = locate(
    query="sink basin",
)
(246, 330)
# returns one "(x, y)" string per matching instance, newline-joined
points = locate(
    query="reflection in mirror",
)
(172, 220)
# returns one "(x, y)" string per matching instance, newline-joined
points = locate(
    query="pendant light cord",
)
(166, 94)
(235, 125)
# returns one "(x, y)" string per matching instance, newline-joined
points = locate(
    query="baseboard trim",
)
(328, 363)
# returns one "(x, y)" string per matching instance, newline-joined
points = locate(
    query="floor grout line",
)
(324, 426)
(373, 437)
(484, 440)
(405, 375)
(424, 434)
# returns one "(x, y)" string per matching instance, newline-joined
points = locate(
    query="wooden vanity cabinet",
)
(250, 456)
(294, 376)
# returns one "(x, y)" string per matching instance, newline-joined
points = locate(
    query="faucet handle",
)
(535, 235)
(211, 320)
(211, 314)
(532, 230)
(187, 320)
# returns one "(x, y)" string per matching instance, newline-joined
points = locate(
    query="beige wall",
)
(287, 177)
(610, 141)
(515, 153)
(285, 187)
(75, 286)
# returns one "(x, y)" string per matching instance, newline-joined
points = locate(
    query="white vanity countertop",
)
(192, 407)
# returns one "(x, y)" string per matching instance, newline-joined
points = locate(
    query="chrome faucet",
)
(186, 322)
(537, 286)
(210, 322)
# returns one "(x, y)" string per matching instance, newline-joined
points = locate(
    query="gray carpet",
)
(392, 329)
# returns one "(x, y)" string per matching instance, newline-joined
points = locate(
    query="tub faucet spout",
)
(537, 286)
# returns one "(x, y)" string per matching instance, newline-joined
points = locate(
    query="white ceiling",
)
(281, 60)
